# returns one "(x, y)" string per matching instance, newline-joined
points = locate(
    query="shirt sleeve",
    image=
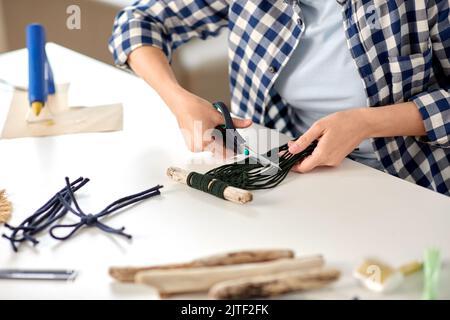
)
(434, 105)
(165, 24)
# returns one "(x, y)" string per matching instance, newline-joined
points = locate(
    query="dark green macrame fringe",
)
(248, 174)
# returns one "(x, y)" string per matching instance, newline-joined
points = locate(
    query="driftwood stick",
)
(232, 194)
(127, 274)
(177, 281)
(5, 207)
(273, 285)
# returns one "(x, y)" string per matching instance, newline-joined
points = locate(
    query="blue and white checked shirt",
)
(401, 48)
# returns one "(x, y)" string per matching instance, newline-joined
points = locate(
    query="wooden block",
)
(176, 281)
(274, 285)
(127, 274)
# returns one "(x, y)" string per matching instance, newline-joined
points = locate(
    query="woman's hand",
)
(197, 118)
(338, 135)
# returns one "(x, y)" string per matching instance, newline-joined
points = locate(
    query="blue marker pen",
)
(40, 74)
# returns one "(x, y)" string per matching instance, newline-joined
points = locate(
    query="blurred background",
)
(201, 66)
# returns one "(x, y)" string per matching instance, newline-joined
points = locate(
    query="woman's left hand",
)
(338, 135)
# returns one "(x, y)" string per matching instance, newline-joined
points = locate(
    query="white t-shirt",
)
(321, 77)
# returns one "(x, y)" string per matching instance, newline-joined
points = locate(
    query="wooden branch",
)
(232, 194)
(5, 207)
(273, 285)
(127, 274)
(176, 281)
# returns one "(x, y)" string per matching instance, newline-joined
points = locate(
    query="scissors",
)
(234, 141)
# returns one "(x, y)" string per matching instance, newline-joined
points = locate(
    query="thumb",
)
(304, 140)
(242, 123)
(307, 164)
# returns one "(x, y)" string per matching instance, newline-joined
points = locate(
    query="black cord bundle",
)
(60, 204)
(251, 175)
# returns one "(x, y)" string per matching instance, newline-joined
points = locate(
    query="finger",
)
(209, 145)
(307, 164)
(282, 153)
(242, 123)
(209, 136)
(217, 118)
(305, 140)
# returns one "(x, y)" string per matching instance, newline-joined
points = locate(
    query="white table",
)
(346, 213)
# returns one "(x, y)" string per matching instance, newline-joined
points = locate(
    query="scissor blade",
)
(263, 159)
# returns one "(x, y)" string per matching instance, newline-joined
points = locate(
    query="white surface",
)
(345, 213)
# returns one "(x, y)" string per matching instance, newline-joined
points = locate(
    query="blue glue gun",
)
(40, 75)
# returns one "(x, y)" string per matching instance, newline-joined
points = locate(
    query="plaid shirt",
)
(401, 48)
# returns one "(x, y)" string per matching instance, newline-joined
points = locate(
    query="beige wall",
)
(3, 40)
(96, 23)
(200, 66)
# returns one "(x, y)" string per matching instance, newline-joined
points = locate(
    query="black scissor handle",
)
(222, 107)
(231, 138)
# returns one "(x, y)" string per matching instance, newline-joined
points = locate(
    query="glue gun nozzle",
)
(37, 108)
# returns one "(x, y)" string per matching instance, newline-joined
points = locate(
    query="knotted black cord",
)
(46, 215)
(61, 203)
(92, 220)
(248, 173)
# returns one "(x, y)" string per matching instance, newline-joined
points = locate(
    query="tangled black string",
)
(60, 204)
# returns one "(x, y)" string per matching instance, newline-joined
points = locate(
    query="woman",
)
(313, 67)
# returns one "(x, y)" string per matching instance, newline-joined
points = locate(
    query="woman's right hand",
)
(197, 118)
